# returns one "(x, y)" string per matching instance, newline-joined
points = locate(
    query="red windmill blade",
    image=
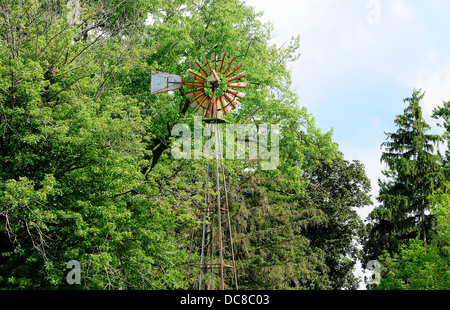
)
(228, 65)
(206, 63)
(236, 68)
(238, 85)
(194, 85)
(196, 77)
(234, 103)
(222, 59)
(200, 69)
(237, 77)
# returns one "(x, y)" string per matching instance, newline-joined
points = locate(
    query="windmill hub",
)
(202, 83)
(215, 80)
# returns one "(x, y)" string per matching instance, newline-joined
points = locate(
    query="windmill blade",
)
(209, 110)
(238, 85)
(236, 93)
(222, 59)
(206, 102)
(218, 109)
(203, 107)
(194, 76)
(214, 60)
(206, 63)
(199, 101)
(199, 68)
(201, 111)
(225, 106)
(195, 93)
(215, 76)
(234, 103)
(163, 82)
(228, 65)
(219, 114)
(194, 85)
(236, 68)
(237, 77)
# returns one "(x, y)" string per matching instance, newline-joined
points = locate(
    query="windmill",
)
(214, 87)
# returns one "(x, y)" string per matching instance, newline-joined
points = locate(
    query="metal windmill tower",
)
(212, 94)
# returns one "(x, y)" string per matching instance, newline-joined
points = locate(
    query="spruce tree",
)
(413, 173)
(443, 113)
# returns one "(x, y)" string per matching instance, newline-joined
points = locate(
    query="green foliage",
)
(409, 232)
(416, 267)
(443, 113)
(414, 173)
(71, 161)
(419, 266)
(85, 168)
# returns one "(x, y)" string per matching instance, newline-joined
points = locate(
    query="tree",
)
(414, 173)
(419, 266)
(443, 113)
(337, 189)
(71, 155)
(86, 173)
(297, 229)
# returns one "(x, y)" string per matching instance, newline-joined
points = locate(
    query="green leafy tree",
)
(419, 266)
(71, 156)
(414, 173)
(338, 188)
(86, 171)
(443, 113)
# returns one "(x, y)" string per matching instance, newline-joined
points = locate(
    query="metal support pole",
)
(204, 230)
(208, 242)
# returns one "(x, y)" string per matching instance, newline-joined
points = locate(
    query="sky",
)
(359, 60)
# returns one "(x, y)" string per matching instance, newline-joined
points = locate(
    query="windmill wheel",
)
(213, 86)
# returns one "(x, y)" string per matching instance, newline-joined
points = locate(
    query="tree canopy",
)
(407, 232)
(87, 173)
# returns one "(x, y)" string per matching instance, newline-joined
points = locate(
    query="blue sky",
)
(359, 60)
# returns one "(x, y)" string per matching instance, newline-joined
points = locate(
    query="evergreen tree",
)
(419, 266)
(443, 113)
(413, 173)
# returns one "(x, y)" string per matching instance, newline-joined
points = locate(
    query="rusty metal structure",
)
(214, 88)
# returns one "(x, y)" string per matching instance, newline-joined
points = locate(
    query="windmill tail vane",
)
(211, 85)
(164, 82)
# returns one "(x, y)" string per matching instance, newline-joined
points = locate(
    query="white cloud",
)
(436, 83)
(401, 9)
